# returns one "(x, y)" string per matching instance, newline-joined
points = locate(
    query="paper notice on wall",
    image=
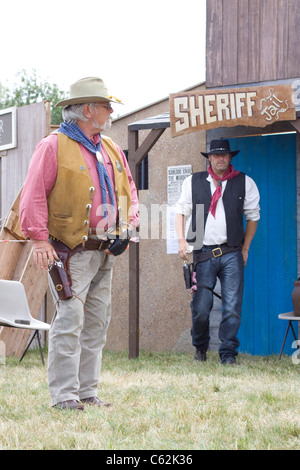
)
(172, 241)
(176, 175)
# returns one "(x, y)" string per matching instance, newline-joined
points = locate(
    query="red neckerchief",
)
(228, 175)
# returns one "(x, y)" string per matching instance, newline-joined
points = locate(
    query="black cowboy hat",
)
(220, 146)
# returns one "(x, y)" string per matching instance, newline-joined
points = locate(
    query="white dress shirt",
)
(215, 229)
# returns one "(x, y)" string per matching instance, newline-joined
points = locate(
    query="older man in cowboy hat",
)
(78, 205)
(226, 196)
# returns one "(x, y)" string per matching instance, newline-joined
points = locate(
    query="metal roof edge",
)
(154, 103)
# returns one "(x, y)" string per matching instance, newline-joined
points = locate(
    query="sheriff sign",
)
(199, 110)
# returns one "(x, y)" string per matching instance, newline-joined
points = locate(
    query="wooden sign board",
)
(8, 128)
(228, 107)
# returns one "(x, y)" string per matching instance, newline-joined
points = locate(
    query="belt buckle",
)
(100, 246)
(219, 252)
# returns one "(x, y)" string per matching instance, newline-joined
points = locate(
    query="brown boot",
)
(95, 401)
(69, 405)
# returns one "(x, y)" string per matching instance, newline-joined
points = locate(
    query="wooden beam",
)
(140, 152)
(134, 287)
(133, 143)
(134, 300)
(296, 124)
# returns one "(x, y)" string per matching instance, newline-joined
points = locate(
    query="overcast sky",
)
(143, 50)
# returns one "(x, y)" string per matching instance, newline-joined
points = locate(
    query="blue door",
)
(272, 264)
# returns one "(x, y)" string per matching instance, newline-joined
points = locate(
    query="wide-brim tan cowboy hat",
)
(220, 146)
(88, 90)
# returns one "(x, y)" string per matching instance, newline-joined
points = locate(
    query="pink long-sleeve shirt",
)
(41, 179)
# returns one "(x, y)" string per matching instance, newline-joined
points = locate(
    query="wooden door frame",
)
(278, 127)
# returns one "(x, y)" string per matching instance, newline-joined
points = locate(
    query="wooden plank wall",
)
(251, 41)
(16, 263)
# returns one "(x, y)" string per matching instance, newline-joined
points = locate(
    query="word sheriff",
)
(206, 109)
(193, 111)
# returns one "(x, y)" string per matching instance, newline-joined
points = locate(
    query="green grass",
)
(161, 401)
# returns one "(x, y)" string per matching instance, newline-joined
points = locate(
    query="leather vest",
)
(69, 203)
(233, 200)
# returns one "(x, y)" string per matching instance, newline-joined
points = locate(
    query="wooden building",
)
(255, 43)
(252, 54)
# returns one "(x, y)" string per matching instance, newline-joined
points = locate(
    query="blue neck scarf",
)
(74, 132)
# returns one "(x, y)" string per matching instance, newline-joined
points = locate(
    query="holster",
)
(60, 275)
(60, 272)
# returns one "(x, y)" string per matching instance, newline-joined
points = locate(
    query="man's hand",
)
(43, 253)
(250, 230)
(245, 252)
(183, 249)
(183, 246)
(119, 245)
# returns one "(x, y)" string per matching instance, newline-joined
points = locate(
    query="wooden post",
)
(134, 287)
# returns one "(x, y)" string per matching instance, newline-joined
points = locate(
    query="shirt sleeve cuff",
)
(36, 233)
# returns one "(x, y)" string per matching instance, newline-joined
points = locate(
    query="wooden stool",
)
(290, 317)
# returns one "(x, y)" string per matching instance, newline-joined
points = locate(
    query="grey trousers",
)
(79, 329)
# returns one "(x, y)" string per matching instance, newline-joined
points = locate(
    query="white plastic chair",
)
(15, 313)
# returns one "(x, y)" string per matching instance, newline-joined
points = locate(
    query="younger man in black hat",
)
(226, 195)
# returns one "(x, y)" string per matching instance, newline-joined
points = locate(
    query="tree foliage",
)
(31, 89)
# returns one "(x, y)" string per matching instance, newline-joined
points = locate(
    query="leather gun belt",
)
(215, 252)
(89, 245)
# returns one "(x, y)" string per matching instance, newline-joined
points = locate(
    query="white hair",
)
(74, 113)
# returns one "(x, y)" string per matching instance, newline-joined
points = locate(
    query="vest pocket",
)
(62, 216)
(61, 223)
